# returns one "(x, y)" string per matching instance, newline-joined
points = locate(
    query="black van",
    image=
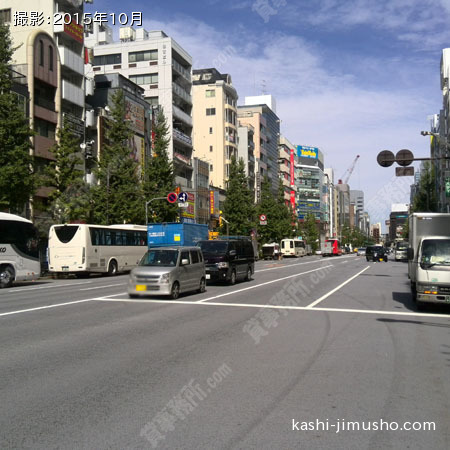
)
(228, 260)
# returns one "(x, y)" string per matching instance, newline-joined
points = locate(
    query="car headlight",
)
(223, 265)
(164, 278)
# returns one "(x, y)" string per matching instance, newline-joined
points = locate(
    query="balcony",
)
(72, 93)
(182, 158)
(178, 90)
(182, 138)
(181, 70)
(179, 114)
(183, 182)
(71, 60)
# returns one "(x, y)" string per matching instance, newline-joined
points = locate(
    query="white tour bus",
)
(19, 250)
(293, 247)
(82, 249)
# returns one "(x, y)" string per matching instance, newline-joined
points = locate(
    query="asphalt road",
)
(310, 343)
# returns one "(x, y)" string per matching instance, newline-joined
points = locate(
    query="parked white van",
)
(168, 271)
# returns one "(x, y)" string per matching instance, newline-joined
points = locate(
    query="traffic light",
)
(177, 190)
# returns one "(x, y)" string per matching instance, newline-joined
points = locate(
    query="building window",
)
(146, 78)
(102, 60)
(154, 101)
(210, 148)
(210, 111)
(5, 16)
(41, 52)
(146, 55)
(44, 128)
(210, 130)
(210, 92)
(210, 167)
(50, 58)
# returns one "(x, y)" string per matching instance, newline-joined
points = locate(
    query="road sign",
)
(404, 171)
(182, 197)
(183, 204)
(385, 158)
(262, 219)
(172, 197)
(404, 157)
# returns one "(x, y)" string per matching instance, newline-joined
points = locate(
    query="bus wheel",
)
(6, 276)
(112, 268)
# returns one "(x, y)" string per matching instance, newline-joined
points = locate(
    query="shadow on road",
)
(414, 322)
(405, 299)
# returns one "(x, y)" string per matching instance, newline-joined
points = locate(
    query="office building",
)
(214, 113)
(266, 123)
(162, 67)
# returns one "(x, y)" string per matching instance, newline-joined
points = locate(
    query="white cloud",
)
(321, 104)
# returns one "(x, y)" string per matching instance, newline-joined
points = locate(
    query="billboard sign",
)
(134, 112)
(292, 167)
(304, 151)
(189, 211)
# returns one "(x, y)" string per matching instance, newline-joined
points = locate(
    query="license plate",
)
(208, 277)
(65, 268)
(141, 287)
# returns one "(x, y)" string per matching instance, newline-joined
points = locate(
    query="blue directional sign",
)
(182, 197)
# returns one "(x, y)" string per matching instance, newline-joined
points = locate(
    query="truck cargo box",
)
(179, 234)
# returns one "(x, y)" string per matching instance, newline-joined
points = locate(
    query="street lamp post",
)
(146, 206)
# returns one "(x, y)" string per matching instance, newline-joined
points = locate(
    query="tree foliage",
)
(66, 169)
(118, 196)
(425, 199)
(17, 180)
(279, 216)
(238, 208)
(159, 178)
(310, 231)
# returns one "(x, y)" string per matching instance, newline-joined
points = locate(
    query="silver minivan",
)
(168, 271)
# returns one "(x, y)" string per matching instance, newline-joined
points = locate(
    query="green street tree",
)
(17, 180)
(310, 231)
(74, 204)
(425, 199)
(279, 216)
(238, 208)
(159, 178)
(118, 196)
(66, 169)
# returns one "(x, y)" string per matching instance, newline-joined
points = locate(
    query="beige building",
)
(214, 116)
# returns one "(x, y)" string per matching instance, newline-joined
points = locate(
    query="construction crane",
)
(348, 172)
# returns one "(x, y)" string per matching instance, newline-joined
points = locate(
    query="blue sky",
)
(351, 77)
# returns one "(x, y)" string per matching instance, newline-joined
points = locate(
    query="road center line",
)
(314, 303)
(101, 287)
(10, 313)
(262, 284)
(297, 308)
(13, 290)
(286, 266)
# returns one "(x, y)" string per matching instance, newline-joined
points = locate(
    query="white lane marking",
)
(262, 284)
(298, 308)
(101, 287)
(314, 303)
(45, 307)
(46, 287)
(286, 266)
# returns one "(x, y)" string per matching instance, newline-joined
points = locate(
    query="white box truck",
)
(429, 257)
